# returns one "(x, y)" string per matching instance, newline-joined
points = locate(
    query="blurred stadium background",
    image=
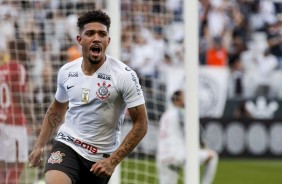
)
(240, 74)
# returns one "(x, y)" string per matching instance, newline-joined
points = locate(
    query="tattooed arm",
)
(53, 118)
(139, 117)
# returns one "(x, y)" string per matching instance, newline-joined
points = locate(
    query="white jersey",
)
(97, 104)
(171, 143)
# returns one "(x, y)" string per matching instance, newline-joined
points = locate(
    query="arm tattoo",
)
(138, 116)
(54, 119)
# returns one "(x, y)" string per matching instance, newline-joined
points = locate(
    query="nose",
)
(96, 38)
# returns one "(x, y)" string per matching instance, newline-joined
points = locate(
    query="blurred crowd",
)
(241, 35)
(244, 36)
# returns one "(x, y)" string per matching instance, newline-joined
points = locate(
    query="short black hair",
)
(176, 95)
(94, 16)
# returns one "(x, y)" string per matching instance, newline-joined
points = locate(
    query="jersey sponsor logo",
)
(103, 92)
(104, 76)
(77, 142)
(56, 157)
(127, 68)
(136, 81)
(73, 74)
(85, 95)
(68, 87)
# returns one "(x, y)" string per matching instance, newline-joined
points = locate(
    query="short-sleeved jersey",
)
(96, 106)
(171, 143)
(13, 85)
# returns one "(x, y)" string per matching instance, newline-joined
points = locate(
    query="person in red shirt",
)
(217, 54)
(13, 120)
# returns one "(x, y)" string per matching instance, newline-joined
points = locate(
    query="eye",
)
(103, 33)
(88, 33)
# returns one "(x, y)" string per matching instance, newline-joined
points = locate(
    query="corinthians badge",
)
(103, 91)
(56, 157)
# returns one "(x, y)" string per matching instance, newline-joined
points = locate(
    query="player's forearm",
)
(132, 139)
(53, 118)
(139, 118)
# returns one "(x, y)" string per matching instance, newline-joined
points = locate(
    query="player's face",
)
(94, 40)
(182, 100)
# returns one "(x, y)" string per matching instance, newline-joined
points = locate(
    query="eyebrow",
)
(93, 30)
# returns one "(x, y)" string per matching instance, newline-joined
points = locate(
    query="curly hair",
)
(94, 16)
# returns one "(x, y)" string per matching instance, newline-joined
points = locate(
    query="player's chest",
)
(87, 88)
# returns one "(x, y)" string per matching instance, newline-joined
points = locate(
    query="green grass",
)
(249, 172)
(236, 171)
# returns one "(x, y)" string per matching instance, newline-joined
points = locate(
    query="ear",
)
(109, 40)
(78, 39)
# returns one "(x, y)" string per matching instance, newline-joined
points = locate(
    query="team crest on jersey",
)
(85, 95)
(56, 157)
(103, 91)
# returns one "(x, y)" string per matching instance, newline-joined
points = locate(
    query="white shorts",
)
(12, 136)
(204, 155)
(170, 176)
(168, 173)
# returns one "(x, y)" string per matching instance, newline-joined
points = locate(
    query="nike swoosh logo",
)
(68, 87)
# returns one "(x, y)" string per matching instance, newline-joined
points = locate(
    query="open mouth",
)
(96, 49)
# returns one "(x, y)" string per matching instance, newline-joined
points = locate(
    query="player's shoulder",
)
(14, 65)
(15, 71)
(118, 67)
(75, 64)
(116, 63)
(171, 111)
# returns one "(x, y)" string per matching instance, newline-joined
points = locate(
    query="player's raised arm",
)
(53, 118)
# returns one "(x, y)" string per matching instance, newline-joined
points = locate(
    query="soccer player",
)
(92, 94)
(14, 115)
(171, 145)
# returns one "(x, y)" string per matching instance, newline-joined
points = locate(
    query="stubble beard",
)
(95, 61)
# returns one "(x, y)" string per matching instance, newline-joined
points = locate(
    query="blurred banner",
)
(212, 91)
(257, 108)
(213, 86)
(244, 137)
(231, 138)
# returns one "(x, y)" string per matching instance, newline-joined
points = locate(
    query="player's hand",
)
(36, 157)
(103, 168)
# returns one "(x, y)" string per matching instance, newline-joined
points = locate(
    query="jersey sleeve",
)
(61, 94)
(18, 77)
(22, 76)
(131, 90)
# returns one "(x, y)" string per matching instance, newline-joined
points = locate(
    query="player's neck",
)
(89, 68)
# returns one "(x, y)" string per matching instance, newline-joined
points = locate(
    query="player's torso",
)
(99, 87)
(12, 87)
(95, 109)
(95, 102)
(171, 138)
